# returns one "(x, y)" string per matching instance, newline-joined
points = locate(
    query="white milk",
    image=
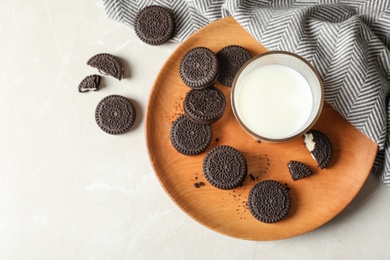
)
(274, 101)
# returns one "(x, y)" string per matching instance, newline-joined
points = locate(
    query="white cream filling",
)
(309, 142)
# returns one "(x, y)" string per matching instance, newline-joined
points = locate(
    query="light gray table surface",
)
(70, 191)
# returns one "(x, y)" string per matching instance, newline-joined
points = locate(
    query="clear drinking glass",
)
(277, 96)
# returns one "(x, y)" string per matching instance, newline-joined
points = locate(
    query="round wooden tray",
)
(315, 200)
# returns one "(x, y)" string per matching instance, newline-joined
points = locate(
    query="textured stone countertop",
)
(70, 191)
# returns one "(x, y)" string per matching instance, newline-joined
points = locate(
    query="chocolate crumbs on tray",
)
(199, 184)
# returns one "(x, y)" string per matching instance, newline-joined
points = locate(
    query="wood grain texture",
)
(315, 199)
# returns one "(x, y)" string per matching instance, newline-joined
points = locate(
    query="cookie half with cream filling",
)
(319, 146)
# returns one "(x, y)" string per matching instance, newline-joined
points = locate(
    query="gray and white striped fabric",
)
(347, 41)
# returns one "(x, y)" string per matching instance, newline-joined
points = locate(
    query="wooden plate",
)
(315, 200)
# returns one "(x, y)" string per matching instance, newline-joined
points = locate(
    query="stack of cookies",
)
(204, 104)
(224, 166)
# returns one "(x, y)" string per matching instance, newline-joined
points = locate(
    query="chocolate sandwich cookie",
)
(199, 68)
(188, 137)
(225, 167)
(231, 58)
(269, 201)
(298, 170)
(154, 25)
(115, 114)
(205, 106)
(91, 82)
(107, 64)
(319, 146)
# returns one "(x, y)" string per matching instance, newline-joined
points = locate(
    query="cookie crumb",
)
(198, 184)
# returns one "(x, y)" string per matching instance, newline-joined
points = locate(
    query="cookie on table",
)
(90, 83)
(188, 137)
(225, 167)
(205, 106)
(107, 64)
(298, 170)
(154, 25)
(269, 201)
(319, 146)
(199, 68)
(115, 114)
(231, 58)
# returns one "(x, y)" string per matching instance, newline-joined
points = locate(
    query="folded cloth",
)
(346, 41)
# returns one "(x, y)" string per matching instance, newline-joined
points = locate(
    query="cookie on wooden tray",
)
(231, 58)
(115, 114)
(225, 167)
(319, 146)
(90, 83)
(298, 170)
(269, 201)
(107, 64)
(205, 106)
(154, 25)
(188, 137)
(199, 68)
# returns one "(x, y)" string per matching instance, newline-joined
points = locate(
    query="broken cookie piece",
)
(298, 170)
(107, 64)
(319, 146)
(91, 82)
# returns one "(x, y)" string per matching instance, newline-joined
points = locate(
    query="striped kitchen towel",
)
(346, 41)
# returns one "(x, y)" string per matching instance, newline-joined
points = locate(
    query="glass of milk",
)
(277, 96)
